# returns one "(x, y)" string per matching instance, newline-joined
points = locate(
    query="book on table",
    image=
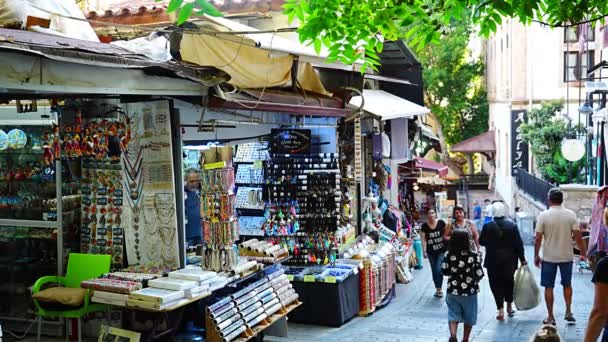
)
(110, 295)
(192, 273)
(155, 306)
(173, 284)
(115, 302)
(155, 295)
(196, 291)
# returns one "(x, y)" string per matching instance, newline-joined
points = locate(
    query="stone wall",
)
(578, 198)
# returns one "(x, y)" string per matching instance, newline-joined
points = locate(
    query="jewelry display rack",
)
(304, 205)
(249, 161)
(219, 222)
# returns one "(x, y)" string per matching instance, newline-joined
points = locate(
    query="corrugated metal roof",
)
(119, 8)
(93, 53)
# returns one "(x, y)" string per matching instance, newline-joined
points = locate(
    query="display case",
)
(32, 229)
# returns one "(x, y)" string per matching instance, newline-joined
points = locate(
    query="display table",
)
(166, 321)
(330, 304)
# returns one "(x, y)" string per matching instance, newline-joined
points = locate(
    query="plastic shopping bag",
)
(526, 292)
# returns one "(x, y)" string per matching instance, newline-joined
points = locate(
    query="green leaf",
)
(184, 13)
(174, 5)
(208, 8)
(317, 42)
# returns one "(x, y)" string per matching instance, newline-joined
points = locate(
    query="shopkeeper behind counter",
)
(192, 206)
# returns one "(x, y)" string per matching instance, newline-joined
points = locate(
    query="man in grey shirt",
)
(555, 229)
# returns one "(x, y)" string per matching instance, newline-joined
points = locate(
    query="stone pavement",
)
(415, 315)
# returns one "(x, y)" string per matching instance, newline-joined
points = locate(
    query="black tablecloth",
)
(325, 303)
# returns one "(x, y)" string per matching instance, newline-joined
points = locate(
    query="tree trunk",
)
(470, 164)
(445, 156)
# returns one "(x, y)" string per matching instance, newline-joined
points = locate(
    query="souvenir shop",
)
(278, 198)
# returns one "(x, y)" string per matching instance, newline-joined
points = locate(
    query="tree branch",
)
(572, 24)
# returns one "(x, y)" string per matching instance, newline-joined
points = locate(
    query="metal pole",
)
(59, 193)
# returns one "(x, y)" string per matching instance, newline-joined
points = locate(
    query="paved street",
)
(415, 315)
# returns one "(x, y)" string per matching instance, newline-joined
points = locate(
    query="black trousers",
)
(501, 283)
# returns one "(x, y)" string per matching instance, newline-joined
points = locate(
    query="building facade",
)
(526, 66)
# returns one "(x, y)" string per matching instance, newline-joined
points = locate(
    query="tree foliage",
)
(453, 84)
(544, 132)
(351, 29)
(185, 9)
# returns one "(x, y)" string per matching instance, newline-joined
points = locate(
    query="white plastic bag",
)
(153, 46)
(526, 292)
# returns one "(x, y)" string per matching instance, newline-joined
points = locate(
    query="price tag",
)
(330, 279)
(355, 270)
(258, 164)
(212, 166)
(309, 278)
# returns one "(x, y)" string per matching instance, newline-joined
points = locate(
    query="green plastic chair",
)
(80, 267)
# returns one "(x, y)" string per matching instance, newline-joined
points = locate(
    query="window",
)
(576, 65)
(571, 34)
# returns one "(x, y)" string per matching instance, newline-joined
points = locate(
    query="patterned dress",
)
(464, 273)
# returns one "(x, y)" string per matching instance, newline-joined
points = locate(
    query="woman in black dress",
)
(434, 247)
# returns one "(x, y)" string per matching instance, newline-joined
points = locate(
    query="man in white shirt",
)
(555, 229)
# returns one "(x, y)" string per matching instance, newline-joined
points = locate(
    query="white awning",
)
(387, 105)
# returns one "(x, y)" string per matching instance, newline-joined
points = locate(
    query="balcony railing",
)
(533, 186)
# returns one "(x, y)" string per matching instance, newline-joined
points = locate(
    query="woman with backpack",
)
(504, 248)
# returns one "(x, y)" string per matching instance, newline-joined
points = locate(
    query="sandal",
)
(500, 317)
(550, 321)
(569, 317)
(438, 294)
(511, 313)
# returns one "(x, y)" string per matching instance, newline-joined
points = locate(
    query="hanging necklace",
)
(133, 172)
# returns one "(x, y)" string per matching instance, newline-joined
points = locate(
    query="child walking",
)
(463, 269)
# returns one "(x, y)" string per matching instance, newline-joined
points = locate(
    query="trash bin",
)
(525, 224)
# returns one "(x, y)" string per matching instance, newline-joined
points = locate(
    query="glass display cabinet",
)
(32, 228)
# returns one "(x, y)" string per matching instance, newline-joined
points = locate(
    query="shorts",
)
(548, 272)
(462, 309)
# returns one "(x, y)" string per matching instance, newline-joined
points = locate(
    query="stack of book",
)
(179, 287)
(110, 291)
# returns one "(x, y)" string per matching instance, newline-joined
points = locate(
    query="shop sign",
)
(519, 149)
(290, 141)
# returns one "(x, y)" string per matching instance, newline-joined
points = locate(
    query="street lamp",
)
(586, 109)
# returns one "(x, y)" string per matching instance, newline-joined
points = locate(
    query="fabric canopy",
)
(387, 105)
(253, 60)
(482, 143)
(429, 165)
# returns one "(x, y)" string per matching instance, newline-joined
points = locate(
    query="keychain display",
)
(281, 219)
(100, 140)
(102, 230)
(303, 208)
(218, 220)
